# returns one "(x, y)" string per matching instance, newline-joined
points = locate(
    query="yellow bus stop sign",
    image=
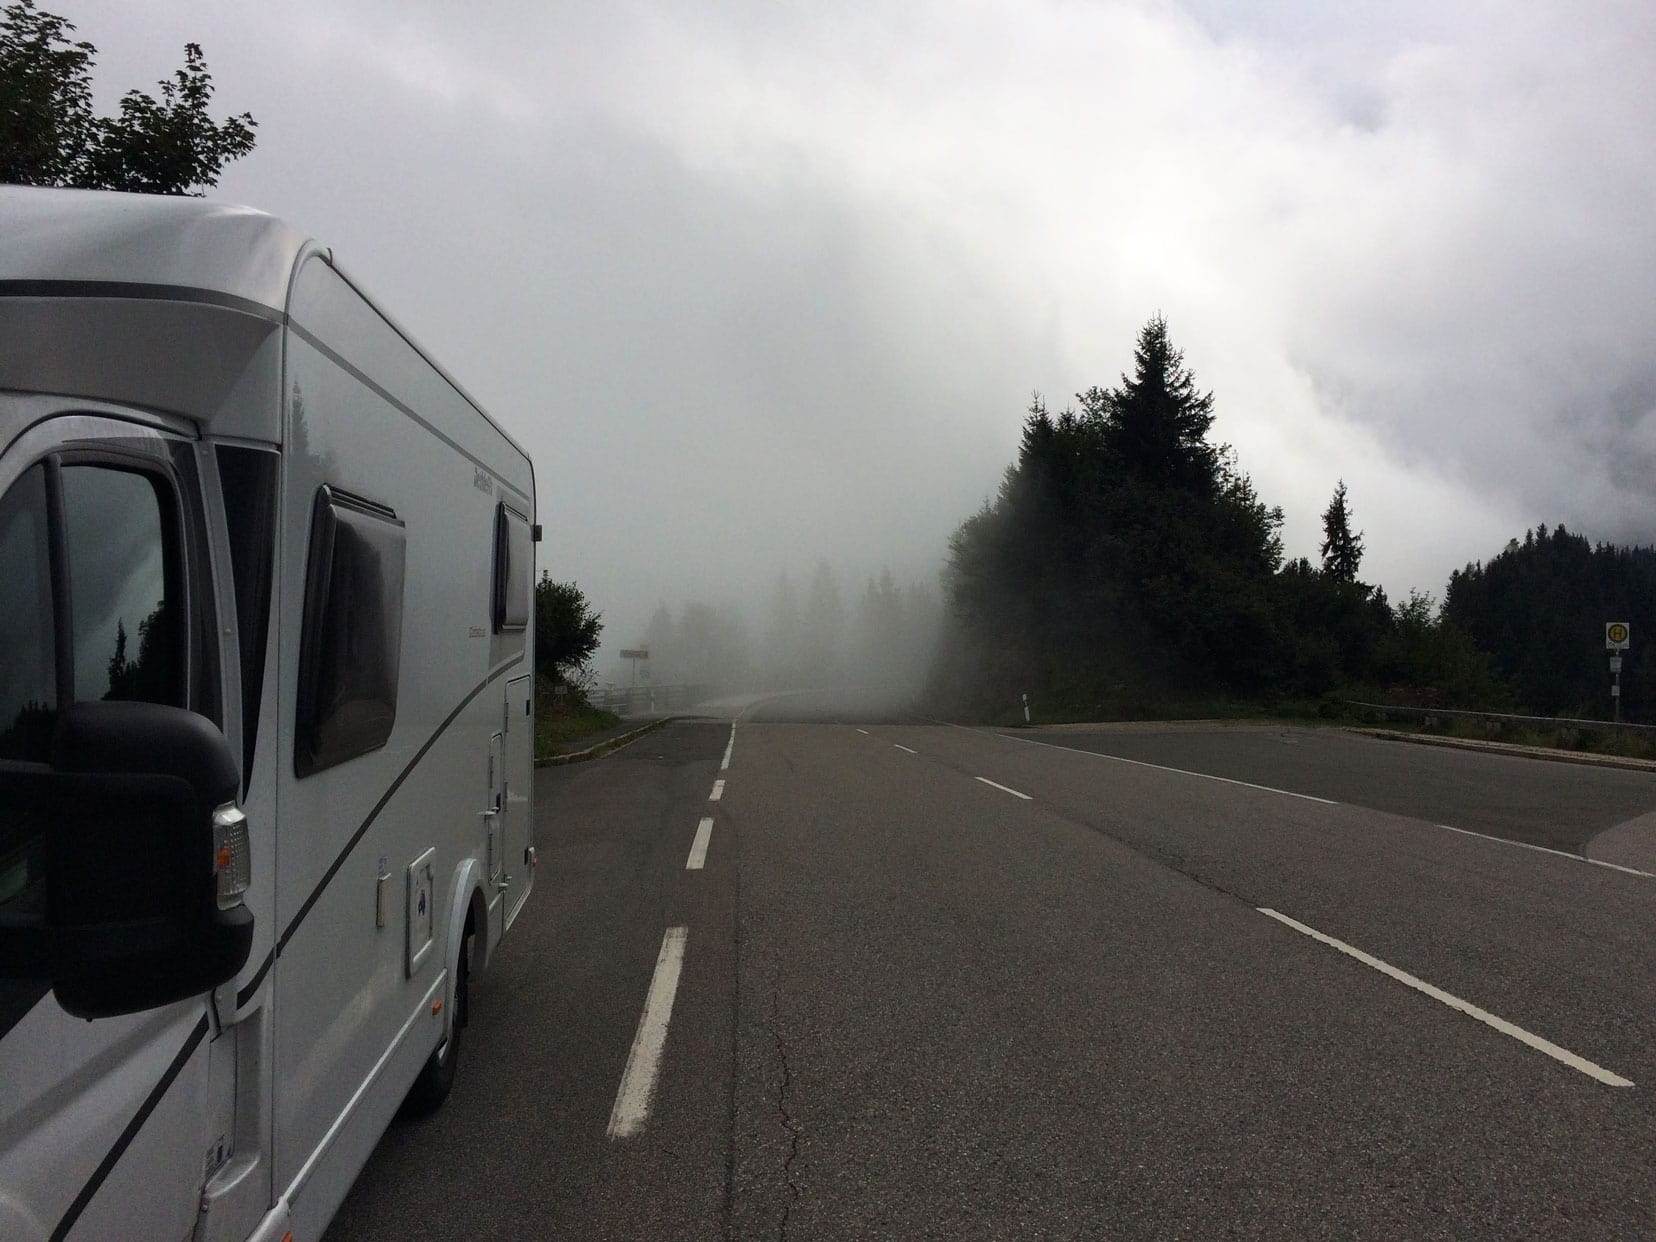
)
(1617, 635)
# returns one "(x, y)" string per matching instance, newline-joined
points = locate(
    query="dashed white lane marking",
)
(864, 732)
(1454, 1002)
(638, 1080)
(1542, 849)
(729, 747)
(900, 746)
(718, 791)
(1003, 788)
(1139, 763)
(698, 847)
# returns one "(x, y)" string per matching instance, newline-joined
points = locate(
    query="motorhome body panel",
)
(209, 363)
(369, 419)
(148, 245)
(62, 1116)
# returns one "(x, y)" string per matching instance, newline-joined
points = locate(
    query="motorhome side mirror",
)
(145, 860)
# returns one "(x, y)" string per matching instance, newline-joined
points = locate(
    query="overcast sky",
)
(760, 282)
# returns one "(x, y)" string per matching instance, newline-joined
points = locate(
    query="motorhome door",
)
(495, 817)
(518, 773)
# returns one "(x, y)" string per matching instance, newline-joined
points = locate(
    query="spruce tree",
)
(1342, 550)
(1155, 425)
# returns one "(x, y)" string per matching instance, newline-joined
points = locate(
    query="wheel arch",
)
(466, 900)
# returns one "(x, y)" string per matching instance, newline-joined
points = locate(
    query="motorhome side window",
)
(352, 638)
(513, 569)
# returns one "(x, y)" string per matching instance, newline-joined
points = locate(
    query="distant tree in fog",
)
(784, 638)
(703, 645)
(896, 633)
(922, 623)
(879, 631)
(661, 641)
(823, 629)
(709, 647)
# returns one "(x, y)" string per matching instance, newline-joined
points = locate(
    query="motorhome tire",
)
(437, 1075)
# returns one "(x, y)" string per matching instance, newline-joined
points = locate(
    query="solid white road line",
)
(1139, 763)
(900, 746)
(1454, 1002)
(638, 1080)
(1003, 788)
(952, 725)
(864, 732)
(1328, 802)
(698, 847)
(729, 747)
(718, 791)
(1525, 845)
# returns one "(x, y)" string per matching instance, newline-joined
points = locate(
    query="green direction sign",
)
(1618, 635)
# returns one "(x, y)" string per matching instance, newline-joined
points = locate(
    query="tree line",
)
(1539, 608)
(808, 639)
(1128, 567)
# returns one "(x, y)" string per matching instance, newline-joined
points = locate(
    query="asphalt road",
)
(1561, 806)
(915, 1004)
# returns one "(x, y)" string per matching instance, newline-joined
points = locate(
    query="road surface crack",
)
(784, 1091)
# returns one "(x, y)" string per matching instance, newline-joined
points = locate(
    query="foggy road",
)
(814, 976)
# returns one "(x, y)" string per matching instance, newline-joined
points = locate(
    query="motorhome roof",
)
(184, 243)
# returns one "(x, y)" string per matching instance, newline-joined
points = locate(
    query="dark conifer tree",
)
(1342, 549)
(1125, 556)
(1155, 424)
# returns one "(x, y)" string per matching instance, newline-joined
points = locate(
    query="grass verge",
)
(556, 727)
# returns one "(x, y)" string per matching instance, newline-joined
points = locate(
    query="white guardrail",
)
(625, 700)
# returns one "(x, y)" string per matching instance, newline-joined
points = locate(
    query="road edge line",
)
(1158, 767)
(1563, 1055)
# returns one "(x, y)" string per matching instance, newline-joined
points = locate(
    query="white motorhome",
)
(266, 657)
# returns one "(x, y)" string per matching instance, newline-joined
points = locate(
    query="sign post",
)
(1618, 637)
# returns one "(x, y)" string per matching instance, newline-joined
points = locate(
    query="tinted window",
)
(28, 676)
(349, 652)
(514, 567)
(125, 626)
(248, 477)
(28, 701)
